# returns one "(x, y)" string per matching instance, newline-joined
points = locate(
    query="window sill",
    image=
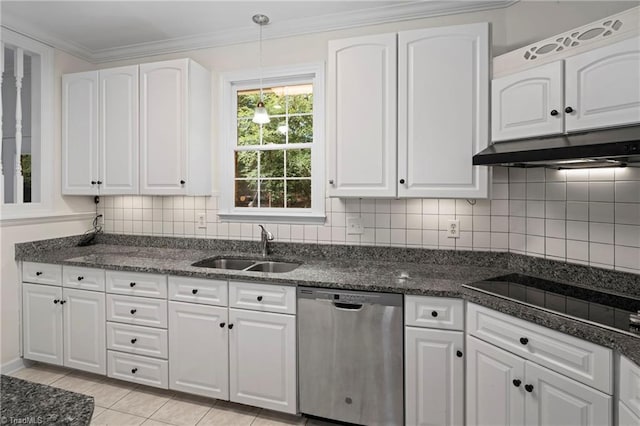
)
(19, 219)
(299, 219)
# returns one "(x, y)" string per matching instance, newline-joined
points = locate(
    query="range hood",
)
(617, 147)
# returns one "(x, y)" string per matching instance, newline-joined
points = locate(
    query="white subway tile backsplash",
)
(582, 216)
(601, 232)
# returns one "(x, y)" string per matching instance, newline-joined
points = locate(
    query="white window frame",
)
(240, 80)
(46, 130)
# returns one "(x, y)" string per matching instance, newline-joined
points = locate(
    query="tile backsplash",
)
(588, 217)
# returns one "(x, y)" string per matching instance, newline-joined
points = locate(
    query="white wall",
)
(61, 226)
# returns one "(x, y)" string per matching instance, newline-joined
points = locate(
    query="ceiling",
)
(101, 31)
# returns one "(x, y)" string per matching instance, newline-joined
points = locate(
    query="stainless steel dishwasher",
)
(350, 356)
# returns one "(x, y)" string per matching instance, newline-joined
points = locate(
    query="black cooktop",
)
(603, 308)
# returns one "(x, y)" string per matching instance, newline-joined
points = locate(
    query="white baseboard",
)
(12, 366)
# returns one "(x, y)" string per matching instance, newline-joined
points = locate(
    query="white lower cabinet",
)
(435, 380)
(198, 342)
(626, 417)
(262, 364)
(505, 389)
(138, 369)
(64, 327)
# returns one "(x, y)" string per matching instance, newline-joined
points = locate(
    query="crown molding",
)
(330, 22)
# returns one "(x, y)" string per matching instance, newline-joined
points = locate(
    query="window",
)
(274, 171)
(27, 108)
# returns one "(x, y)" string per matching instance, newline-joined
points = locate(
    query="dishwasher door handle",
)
(348, 306)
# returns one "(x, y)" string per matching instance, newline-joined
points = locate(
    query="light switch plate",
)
(354, 225)
(454, 228)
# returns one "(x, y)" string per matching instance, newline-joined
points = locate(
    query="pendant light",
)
(260, 115)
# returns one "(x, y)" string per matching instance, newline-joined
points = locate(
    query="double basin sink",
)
(242, 264)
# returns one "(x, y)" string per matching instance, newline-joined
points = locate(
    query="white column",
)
(1, 140)
(19, 73)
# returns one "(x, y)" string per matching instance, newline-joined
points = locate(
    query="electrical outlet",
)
(354, 226)
(454, 228)
(201, 218)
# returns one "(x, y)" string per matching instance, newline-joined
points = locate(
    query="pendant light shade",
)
(260, 115)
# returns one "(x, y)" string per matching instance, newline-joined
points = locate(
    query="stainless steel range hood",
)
(617, 147)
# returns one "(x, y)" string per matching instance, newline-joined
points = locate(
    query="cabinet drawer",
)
(83, 278)
(137, 310)
(137, 340)
(629, 391)
(434, 312)
(581, 360)
(262, 297)
(137, 284)
(198, 290)
(138, 369)
(42, 273)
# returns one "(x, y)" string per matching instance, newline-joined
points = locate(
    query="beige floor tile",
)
(41, 373)
(108, 392)
(143, 401)
(183, 411)
(151, 422)
(116, 418)
(229, 414)
(77, 382)
(97, 411)
(274, 418)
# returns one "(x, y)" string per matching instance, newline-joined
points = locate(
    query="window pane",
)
(25, 160)
(299, 193)
(272, 193)
(301, 129)
(274, 100)
(246, 164)
(245, 194)
(299, 163)
(300, 99)
(275, 131)
(272, 164)
(247, 101)
(248, 132)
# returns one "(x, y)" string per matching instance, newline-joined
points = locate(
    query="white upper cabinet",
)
(362, 116)
(80, 133)
(597, 89)
(118, 124)
(100, 132)
(443, 102)
(175, 131)
(603, 86)
(441, 109)
(541, 112)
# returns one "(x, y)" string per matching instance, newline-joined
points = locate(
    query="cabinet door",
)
(163, 127)
(80, 133)
(118, 139)
(443, 111)
(362, 117)
(42, 322)
(558, 400)
(198, 349)
(495, 385)
(262, 365)
(85, 345)
(528, 103)
(603, 87)
(434, 377)
(629, 385)
(626, 417)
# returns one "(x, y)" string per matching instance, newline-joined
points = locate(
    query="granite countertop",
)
(26, 402)
(428, 272)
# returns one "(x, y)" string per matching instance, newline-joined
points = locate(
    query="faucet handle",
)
(266, 234)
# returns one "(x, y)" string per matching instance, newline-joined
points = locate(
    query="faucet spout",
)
(265, 237)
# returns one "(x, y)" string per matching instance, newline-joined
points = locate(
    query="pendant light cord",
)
(261, 99)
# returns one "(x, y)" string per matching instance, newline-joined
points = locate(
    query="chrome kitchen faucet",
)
(265, 237)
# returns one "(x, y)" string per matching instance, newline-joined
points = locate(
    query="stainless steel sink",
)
(273, 267)
(240, 264)
(224, 263)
